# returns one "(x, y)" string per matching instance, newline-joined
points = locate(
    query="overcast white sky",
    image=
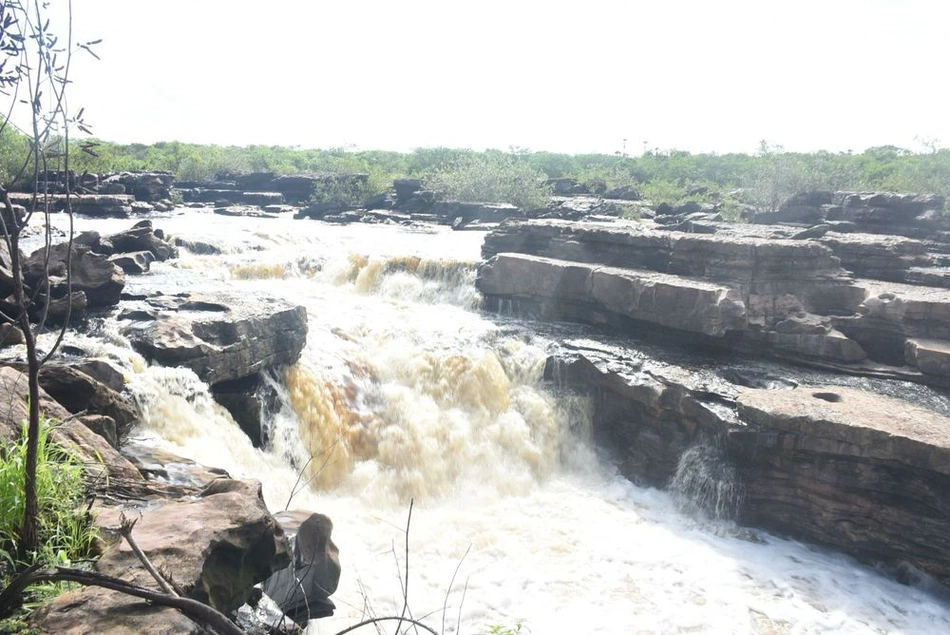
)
(698, 75)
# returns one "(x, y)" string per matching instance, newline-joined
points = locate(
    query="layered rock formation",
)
(857, 471)
(778, 293)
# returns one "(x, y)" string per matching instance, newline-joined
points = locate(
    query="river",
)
(406, 392)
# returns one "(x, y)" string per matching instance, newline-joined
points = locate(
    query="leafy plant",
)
(518, 629)
(347, 189)
(492, 177)
(66, 532)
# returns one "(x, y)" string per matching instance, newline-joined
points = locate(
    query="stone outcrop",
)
(103, 463)
(78, 392)
(911, 215)
(221, 338)
(149, 187)
(92, 274)
(857, 471)
(562, 289)
(760, 292)
(218, 546)
(867, 474)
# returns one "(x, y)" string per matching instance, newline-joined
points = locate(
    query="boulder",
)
(144, 186)
(133, 263)
(102, 205)
(302, 589)
(259, 198)
(218, 546)
(929, 356)
(248, 400)
(140, 237)
(104, 465)
(244, 211)
(100, 280)
(449, 211)
(79, 392)
(220, 338)
(567, 187)
(406, 188)
(624, 193)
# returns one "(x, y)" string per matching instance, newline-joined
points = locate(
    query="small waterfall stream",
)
(405, 392)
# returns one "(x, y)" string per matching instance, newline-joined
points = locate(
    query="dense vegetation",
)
(764, 178)
(66, 528)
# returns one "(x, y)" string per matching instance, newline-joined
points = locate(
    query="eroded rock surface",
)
(217, 545)
(220, 338)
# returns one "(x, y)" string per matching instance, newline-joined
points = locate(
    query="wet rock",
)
(156, 464)
(220, 338)
(248, 400)
(140, 237)
(864, 473)
(197, 247)
(133, 263)
(244, 211)
(91, 273)
(303, 588)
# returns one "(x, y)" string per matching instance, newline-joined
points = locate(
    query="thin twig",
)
(405, 587)
(445, 603)
(125, 528)
(192, 609)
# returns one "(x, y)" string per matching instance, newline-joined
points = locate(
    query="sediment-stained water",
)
(405, 392)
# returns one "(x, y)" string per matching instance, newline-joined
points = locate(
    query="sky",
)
(593, 76)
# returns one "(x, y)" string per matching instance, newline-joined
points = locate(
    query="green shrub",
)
(349, 189)
(492, 177)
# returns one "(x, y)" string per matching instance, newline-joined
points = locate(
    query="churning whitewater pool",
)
(405, 392)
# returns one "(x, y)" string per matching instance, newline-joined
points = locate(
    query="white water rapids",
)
(405, 391)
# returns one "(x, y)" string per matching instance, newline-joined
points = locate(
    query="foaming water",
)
(405, 393)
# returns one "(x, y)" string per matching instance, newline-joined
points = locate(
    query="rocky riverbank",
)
(863, 473)
(214, 534)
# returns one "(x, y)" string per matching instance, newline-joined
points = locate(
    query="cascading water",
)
(706, 483)
(404, 392)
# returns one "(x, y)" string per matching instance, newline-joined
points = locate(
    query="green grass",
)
(66, 530)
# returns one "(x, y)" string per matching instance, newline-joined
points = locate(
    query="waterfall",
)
(405, 390)
(705, 483)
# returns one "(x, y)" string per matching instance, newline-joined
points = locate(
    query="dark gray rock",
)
(220, 338)
(302, 589)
